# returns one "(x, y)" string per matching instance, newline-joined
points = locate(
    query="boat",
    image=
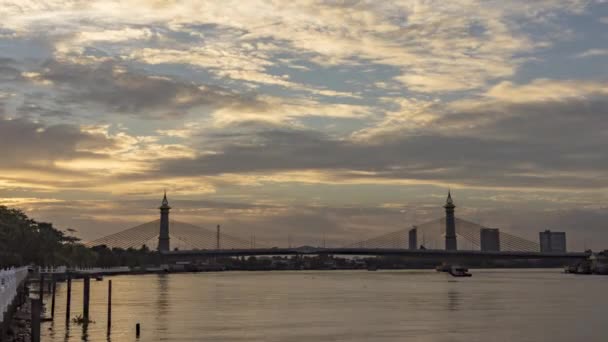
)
(459, 271)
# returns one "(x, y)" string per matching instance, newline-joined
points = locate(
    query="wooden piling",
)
(54, 289)
(109, 306)
(68, 303)
(35, 319)
(85, 299)
(41, 292)
(137, 330)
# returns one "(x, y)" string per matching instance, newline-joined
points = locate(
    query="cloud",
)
(25, 143)
(38, 157)
(125, 34)
(540, 90)
(8, 70)
(533, 141)
(284, 111)
(432, 43)
(121, 90)
(593, 53)
(263, 102)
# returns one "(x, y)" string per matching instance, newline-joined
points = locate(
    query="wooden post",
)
(68, 301)
(35, 319)
(109, 306)
(137, 330)
(85, 299)
(54, 289)
(41, 287)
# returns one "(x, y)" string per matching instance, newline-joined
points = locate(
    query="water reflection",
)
(341, 306)
(85, 332)
(163, 303)
(454, 299)
(162, 294)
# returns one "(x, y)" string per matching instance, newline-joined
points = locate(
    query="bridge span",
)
(462, 239)
(416, 253)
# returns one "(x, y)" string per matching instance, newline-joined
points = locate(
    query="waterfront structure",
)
(450, 224)
(489, 239)
(413, 238)
(552, 242)
(163, 237)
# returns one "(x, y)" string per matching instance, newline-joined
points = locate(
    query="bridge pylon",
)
(450, 224)
(163, 237)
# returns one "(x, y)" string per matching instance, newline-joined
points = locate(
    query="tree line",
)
(24, 241)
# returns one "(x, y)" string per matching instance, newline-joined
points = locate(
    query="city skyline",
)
(306, 117)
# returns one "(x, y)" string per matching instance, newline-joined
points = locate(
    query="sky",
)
(347, 119)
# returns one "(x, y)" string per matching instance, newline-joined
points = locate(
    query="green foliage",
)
(125, 257)
(24, 241)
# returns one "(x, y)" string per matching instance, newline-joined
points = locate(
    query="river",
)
(382, 306)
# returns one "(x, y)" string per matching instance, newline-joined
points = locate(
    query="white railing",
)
(100, 270)
(10, 279)
(89, 270)
(52, 270)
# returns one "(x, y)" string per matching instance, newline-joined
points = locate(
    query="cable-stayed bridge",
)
(183, 236)
(461, 238)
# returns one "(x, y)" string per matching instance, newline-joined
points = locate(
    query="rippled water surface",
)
(493, 305)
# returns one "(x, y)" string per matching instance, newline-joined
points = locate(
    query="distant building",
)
(490, 239)
(552, 242)
(413, 238)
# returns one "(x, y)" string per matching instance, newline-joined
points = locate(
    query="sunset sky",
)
(348, 118)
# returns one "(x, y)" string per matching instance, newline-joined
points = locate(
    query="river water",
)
(383, 306)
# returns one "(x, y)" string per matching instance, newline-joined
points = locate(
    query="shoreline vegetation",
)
(24, 241)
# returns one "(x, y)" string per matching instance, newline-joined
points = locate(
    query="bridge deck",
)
(378, 251)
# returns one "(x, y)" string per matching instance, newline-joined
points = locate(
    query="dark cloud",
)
(122, 90)
(25, 143)
(552, 144)
(33, 109)
(8, 70)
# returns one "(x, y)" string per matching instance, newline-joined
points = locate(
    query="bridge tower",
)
(163, 237)
(217, 238)
(413, 238)
(450, 224)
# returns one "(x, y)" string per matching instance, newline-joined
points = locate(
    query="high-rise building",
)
(552, 242)
(490, 239)
(163, 237)
(413, 238)
(450, 224)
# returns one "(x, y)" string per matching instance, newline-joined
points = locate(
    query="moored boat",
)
(459, 271)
